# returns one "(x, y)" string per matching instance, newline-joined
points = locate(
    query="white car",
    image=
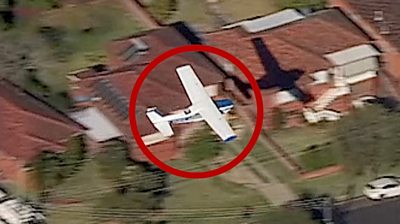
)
(382, 187)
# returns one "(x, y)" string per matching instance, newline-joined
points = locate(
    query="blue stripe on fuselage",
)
(223, 103)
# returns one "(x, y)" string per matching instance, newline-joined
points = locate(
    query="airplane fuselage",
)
(189, 115)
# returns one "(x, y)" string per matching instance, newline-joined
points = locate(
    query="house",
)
(14, 210)
(309, 68)
(108, 89)
(381, 21)
(28, 126)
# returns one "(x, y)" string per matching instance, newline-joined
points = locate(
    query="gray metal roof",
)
(271, 21)
(268, 22)
(100, 127)
(352, 54)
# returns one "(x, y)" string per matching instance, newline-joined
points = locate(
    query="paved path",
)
(262, 140)
(252, 175)
(255, 176)
(251, 162)
(141, 14)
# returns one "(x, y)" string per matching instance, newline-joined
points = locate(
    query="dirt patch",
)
(65, 201)
(322, 172)
(27, 12)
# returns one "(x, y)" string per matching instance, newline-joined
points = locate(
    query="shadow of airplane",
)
(274, 75)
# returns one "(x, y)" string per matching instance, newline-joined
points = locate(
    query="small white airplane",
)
(202, 108)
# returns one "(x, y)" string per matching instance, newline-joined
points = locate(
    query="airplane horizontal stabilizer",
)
(159, 123)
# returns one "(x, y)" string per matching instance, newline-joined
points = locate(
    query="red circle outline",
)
(196, 48)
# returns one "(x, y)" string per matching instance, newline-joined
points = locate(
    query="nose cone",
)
(231, 138)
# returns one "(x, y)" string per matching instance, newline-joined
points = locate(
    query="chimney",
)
(382, 25)
(378, 16)
(384, 28)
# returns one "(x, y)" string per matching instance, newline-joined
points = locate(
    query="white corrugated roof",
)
(100, 128)
(352, 54)
(361, 77)
(320, 77)
(283, 97)
(268, 22)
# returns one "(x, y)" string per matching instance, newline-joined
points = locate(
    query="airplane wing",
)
(202, 102)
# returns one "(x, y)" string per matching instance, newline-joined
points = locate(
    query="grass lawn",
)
(295, 140)
(287, 216)
(319, 159)
(267, 159)
(211, 193)
(194, 12)
(98, 200)
(87, 186)
(240, 10)
(203, 146)
(37, 4)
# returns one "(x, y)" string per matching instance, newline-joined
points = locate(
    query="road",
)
(364, 211)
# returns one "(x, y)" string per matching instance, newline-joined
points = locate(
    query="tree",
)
(48, 169)
(136, 187)
(163, 9)
(56, 39)
(113, 160)
(368, 139)
(15, 56)
(74, 155)
(54, 3)
(7, 12)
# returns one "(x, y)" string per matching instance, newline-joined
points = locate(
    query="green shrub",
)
(298, 4)
(203, 146)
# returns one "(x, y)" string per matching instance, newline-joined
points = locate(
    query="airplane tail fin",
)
(162, 126)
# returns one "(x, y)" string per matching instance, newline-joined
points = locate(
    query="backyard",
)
(86, 195)
(65, 39)
(312, 146)
(212, 193)
(239, 11)
(194, 12)
(367, 149)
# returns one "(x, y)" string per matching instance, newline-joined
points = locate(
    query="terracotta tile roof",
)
(28, 125)
(391, 15)
(280, 57)
(321, 33)
(296, 46)
(162, 87)
(336, 16)
(287, 55)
